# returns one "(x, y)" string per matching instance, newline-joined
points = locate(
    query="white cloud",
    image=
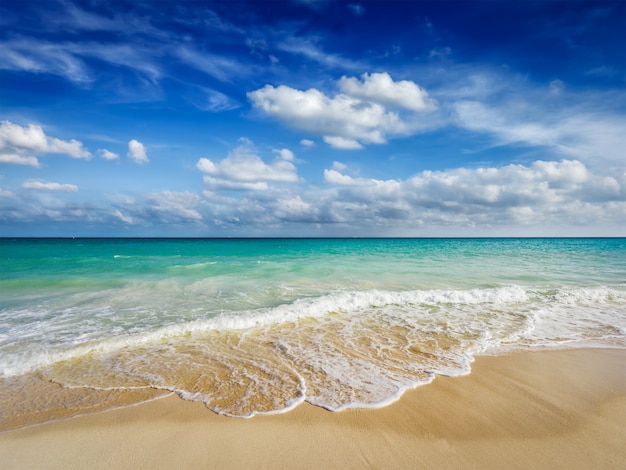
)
(41, 57)
(476, 116)
(219, 67)
(342, 142)
(336, 177)
(292, 206)
(217, 102)
(108, 155)
(49, 186)
(76, 19)
(132, 56)
(510, 110)
(358, 116)
(117, 214)
(543, 198)
(176, 207)
(15, 159)
(543, 194)
(307, 143)
(137, 152)
(583, 133)
(32, 138)
(131, 41)
(309, 48)
(243, 169)
(285, 154)
(20, 145)
(380, 88)
(67, 59)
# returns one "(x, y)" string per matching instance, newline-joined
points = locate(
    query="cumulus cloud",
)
(564, 192)
(335, 176)
(285, 154)
(558, 197)
(49, 186)
(243, 169)
(545, 197)
(16, 159)
(108, 155)
(366, 111)
(380, 88)
(21, 145)
(307, 143)
(137, 152)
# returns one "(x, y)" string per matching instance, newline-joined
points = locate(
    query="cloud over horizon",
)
(564, 192)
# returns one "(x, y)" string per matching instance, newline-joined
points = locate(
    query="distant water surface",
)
(251, 326)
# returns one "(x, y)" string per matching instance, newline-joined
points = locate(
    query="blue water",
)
(259, 325)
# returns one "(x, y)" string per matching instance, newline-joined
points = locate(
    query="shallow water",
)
(258, 326)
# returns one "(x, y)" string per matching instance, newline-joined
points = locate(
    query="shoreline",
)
(540, 409)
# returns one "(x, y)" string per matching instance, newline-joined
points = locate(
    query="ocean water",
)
(254, 326)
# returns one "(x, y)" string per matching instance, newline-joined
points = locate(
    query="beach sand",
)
(547, 409)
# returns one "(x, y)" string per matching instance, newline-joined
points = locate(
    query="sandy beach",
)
(548, 409)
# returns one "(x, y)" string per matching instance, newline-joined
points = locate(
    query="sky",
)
(157, 118)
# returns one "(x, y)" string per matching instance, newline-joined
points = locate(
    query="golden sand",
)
(548, 409)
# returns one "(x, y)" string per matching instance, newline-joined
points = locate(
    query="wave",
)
(341, 350)
(410, 304)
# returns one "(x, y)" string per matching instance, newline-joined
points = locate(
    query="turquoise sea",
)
(252, 326)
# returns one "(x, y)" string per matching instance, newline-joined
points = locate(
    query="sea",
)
(258, 326)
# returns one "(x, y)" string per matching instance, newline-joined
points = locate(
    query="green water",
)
(337, 322)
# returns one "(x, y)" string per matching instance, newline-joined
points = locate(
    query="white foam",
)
(504, 315)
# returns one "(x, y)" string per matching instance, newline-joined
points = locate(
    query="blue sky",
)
(312, 118)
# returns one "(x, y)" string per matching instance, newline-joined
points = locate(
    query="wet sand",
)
(547, 409)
